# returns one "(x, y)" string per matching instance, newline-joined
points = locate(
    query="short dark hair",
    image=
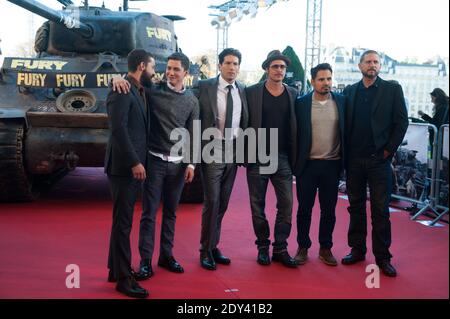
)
(367, 52)
(320, 67)
(136, 57)
(178, 56)
(230, 51)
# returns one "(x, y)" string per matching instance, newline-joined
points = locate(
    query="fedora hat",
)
(275, 55)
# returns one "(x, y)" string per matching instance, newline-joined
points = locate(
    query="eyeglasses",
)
(278, 66)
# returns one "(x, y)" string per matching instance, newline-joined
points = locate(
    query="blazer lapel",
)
(380, 93)
(142, 107)
(341, 111)
(244, 110)
(212, 94)
(351, 104)
(258, 104)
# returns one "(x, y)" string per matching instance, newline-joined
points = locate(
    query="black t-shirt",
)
(275, 114)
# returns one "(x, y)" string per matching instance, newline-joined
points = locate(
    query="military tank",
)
(52, 106)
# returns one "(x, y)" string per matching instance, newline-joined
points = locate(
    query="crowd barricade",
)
(413, 166)
(441, 180)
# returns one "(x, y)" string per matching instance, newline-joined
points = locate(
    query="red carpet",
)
(71, 225)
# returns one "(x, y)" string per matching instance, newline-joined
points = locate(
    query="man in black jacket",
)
(320, 134)
(125, 162)
(271, 109)
(377, 121)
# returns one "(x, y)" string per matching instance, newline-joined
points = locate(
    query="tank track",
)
(15, 185)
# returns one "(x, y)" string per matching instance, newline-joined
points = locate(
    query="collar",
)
(330, 97)
(170, 86)
(223, 84)
(376, 84)
(136, 83)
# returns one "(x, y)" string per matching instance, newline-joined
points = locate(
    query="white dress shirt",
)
(222, 92)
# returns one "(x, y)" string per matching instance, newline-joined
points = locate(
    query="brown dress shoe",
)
(302, 256)
(327, 257)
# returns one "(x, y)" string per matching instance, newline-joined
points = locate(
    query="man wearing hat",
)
(271, 109)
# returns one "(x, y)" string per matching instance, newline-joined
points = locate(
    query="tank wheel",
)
(15, 184)
(193, 192)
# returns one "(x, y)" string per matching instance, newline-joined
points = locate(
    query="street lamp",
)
(234, 10)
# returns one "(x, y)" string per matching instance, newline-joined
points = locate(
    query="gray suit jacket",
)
(128, 124)
(206, 92)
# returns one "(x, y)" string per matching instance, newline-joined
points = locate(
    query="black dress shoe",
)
(129, 287)
(112, 278)
(387, 268)
(285, 259)
(352, 258)
(207, 261)
(219, 258)
(145, 272)
(263, 257)
(170, 264)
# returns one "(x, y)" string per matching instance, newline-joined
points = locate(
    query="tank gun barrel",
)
(69, 21)
(65, 2)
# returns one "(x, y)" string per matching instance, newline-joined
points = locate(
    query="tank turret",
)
(91, 30)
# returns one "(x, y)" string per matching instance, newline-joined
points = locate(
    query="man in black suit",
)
(320, 134)
(271, 109)
(125, 162)
(223, 107)
(377, 121)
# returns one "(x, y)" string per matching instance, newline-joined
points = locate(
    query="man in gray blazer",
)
(223, 106)
(125, 163)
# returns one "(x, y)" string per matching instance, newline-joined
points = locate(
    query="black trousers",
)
(377, 173)
(257, 185)
(124, 191)
(164, 182)
(218, 180)
(321, 175)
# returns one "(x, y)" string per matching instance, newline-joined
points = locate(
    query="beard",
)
(146, 80)
(324, 91)
(371, 75)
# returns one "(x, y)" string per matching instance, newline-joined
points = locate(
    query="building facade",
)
(417, 80)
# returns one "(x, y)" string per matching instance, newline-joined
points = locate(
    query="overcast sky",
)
(400, 28)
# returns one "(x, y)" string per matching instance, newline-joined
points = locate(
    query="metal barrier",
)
(414, 168)
(417, 165)
(441, 164)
